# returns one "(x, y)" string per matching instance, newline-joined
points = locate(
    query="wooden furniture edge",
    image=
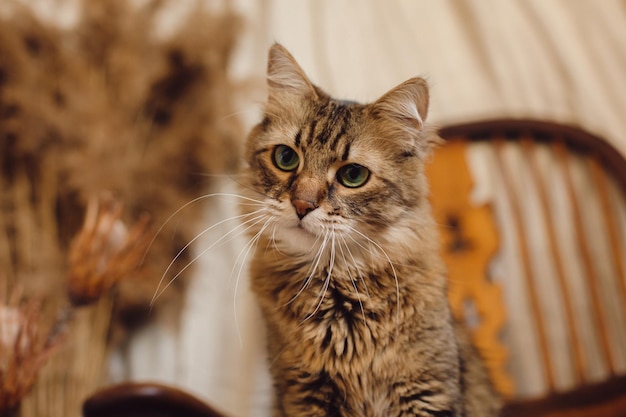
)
(575, 137)
(135, 398)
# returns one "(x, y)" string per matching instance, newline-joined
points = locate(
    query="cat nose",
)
(303, 207)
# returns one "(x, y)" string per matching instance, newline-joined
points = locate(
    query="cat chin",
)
(298, 243)
(294, 237)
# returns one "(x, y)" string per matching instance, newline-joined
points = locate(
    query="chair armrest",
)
(145, 400)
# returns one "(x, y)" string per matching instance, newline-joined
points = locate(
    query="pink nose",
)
(303, 207)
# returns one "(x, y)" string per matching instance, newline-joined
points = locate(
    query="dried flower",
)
(104, 251)
(23, 351)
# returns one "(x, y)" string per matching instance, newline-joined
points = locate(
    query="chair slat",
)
(528, 147)
(522, 242)
(591, 277)
(610, 223)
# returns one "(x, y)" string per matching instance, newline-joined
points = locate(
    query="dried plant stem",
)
(77, 370)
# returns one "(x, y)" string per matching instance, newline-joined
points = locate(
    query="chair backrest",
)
(533, 225)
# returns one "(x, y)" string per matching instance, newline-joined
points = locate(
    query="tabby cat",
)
(346, 267)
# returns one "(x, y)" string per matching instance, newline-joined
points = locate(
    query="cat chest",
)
(338, 339)
(332, 321)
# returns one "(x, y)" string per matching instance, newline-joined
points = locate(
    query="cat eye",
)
(285, 158)
(353, 175)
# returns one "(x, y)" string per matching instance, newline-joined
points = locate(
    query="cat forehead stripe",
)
(311, 135)
(330, 124)
(298, 137)
(344, 127)
(346, 152)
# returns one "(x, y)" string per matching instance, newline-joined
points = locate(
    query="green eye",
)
(285, 158)
(353, 175)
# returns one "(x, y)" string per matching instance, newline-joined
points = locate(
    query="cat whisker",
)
(312, 268)
(248, 247)
(331, 264)
(255, 220)
(237, 113)
(393, 269)
(184, 206)
(352, 280)
(317, 238)
(356, 265)
(272, 241)
(253, 200)
(368, 249)
(198, 236)
(320, 253)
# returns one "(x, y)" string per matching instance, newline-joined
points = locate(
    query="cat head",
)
(332, 169)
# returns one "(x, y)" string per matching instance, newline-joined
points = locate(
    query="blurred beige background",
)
(561, 60)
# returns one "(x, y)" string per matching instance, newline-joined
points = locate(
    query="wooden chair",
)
(553, 221)
(540, 259)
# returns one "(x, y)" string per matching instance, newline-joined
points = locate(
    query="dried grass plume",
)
(105, 107)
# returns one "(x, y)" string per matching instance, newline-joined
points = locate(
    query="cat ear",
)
(407, 103)
(285, 78)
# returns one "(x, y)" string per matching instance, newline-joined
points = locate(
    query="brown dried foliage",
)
(103, 107)
(24, 349)
(108, 106)
(104, 251)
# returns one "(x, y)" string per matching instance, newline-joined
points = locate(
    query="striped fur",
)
(353, 291)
